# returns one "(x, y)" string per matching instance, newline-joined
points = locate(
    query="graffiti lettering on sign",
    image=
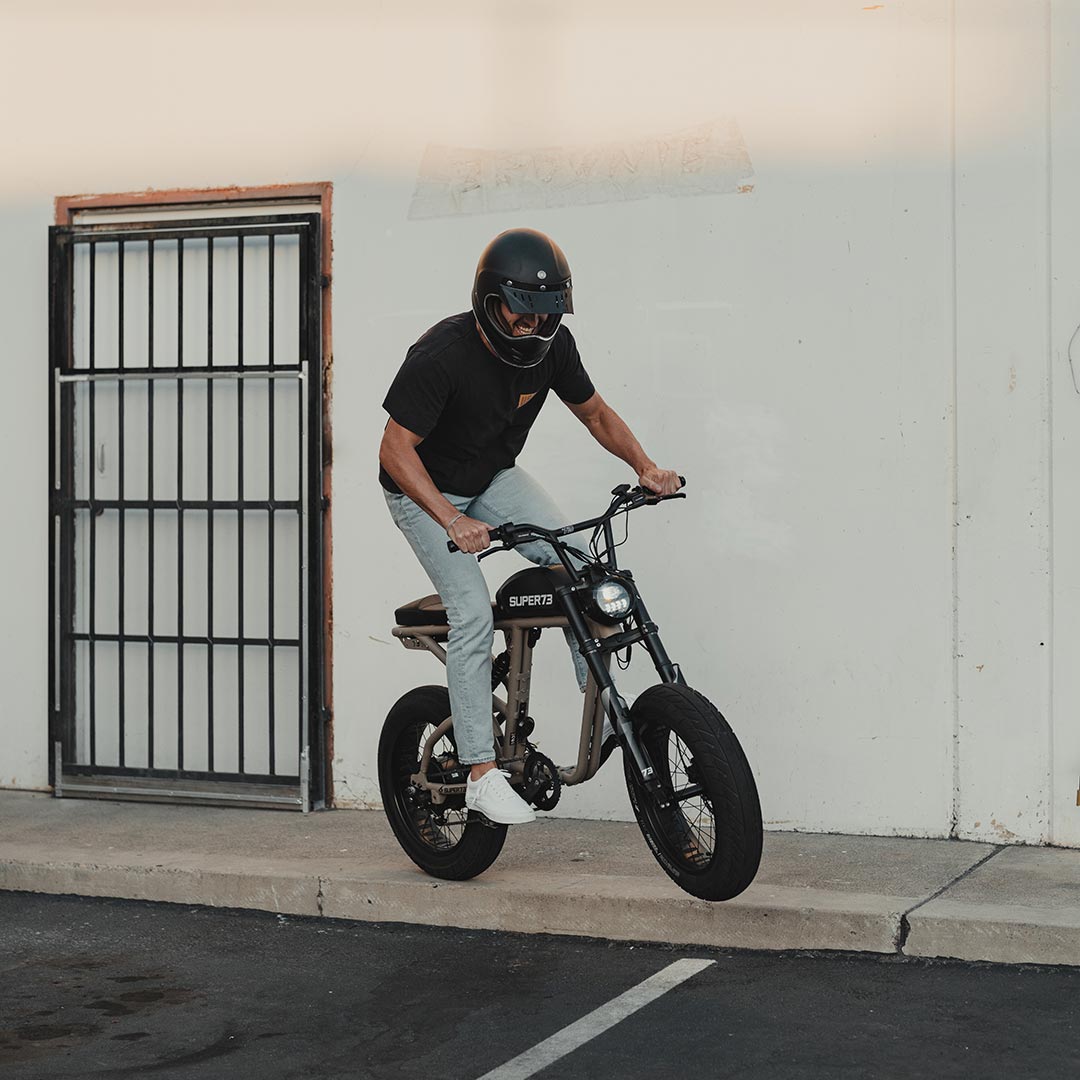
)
(709, 159)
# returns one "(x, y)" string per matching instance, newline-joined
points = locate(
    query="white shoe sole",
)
(507, 810)
(503, 820)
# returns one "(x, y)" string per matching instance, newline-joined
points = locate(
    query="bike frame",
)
(597, 642)
(520, 636)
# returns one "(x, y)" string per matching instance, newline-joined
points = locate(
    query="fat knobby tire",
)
(399, 746)
(721, 768)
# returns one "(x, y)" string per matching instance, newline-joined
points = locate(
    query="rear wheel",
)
(443, 839)
(708, 838)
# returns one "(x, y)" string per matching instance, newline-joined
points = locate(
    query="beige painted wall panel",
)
(1065, 366)
(788, 346)
(1003, 438)
(788, 349)
(24, 539)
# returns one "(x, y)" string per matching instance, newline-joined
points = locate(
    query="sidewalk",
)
(595, 878)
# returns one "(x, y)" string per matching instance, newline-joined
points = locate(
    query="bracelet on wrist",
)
(450, 523)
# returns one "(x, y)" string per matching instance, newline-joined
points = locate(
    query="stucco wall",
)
(823, 280)
(1064, 430)
(24, 538)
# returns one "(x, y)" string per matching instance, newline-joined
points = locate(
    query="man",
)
(460, 410)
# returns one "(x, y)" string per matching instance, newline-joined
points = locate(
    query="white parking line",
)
(597, 1022)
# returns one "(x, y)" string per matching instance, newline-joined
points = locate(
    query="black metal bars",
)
(99, 727)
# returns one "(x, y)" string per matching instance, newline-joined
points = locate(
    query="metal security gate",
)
(186, 578)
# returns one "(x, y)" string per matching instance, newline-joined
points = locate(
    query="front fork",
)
(594, 649)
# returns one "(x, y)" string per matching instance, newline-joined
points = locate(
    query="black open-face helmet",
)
(528, 272)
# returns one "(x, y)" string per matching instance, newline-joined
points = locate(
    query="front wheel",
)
(708, 838)
(443, 839)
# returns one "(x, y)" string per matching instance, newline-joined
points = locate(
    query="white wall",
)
(1017, 738)
(828, 355)
(24, 451)
(1064, 429)
(788, 349)
(1003, 400)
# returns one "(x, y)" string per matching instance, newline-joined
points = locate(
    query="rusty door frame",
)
(219, 199)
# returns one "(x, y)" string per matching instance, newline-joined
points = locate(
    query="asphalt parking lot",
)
(110, 988)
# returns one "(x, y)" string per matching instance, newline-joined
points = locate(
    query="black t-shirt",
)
(472, 410)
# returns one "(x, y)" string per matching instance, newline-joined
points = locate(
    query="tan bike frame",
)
(510, 751)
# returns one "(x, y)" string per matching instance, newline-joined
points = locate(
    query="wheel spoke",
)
(700, 815)
(689, 822)
(439, 826)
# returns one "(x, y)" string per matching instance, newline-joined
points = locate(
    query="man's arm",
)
(610, 431)
(398, 456)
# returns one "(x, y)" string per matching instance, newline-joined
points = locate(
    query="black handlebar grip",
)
(493, 534)
(682, 481)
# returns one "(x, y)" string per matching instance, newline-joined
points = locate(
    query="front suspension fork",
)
(668, 671)
(592, 649)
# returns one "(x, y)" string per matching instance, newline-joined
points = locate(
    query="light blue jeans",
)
(513, 495)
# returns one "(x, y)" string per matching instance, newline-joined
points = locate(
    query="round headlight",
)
(612, 600)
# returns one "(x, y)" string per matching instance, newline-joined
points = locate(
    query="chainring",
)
(542, 784)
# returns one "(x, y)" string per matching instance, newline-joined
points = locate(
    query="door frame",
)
(221, 201)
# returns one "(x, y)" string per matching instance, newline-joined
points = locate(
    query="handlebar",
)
(626, 498)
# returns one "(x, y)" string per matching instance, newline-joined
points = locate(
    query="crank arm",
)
(439, 792)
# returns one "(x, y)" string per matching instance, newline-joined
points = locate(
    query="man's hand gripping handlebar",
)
(469, 534)
(626, 498)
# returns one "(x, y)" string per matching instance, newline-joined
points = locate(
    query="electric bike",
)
(690, 785)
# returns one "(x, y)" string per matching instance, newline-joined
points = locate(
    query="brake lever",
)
(651, 499)
(654, 497)
(498, 533)
(452, 547)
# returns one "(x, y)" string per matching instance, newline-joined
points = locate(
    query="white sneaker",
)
(493, 797)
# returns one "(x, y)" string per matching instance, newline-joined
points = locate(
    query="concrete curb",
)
(1004, 933)
(769, 917)
(884, 895)
(281, 892)
(613, 908)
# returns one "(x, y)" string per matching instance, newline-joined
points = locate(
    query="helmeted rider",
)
(461, 407)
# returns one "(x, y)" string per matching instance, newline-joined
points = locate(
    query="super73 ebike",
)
(689, 782)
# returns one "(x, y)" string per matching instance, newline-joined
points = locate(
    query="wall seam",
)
(1051, 636)
(954, 447)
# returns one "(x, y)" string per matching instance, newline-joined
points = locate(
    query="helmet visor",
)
(538, 301)
(545, 330)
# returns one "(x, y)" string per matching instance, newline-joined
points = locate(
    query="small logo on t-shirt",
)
(524, 399)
